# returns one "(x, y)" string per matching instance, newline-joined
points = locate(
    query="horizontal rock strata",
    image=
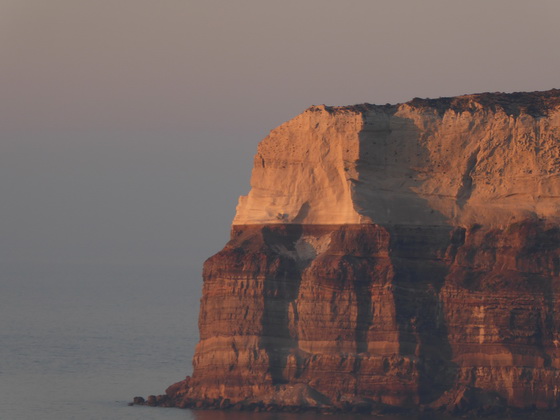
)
(403, 255)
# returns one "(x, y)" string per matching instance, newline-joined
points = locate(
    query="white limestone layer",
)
(407, 164)
(302, 171)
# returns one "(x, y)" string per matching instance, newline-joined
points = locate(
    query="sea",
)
(80, 341)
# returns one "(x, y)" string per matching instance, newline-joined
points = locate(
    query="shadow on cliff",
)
(389, 174)
(281, 289)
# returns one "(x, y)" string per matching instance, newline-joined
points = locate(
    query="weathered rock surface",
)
(404, 255)
(490, 159)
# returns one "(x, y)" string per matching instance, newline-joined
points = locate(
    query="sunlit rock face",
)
(489, 159)
(401, 254)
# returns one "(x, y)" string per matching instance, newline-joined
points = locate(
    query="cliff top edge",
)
(535, 103)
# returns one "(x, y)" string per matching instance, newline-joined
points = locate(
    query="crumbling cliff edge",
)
(391, 256)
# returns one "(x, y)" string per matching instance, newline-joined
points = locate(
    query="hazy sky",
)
(128, 127)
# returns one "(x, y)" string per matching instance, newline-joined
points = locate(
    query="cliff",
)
(403, 255)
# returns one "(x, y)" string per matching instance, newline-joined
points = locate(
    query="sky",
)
(128, 127)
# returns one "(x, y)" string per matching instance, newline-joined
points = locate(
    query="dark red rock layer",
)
(328, 315)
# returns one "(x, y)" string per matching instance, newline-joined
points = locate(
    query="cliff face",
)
(405, 255)
(486, 159)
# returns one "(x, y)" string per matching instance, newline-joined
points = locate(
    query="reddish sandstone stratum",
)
(406, 255)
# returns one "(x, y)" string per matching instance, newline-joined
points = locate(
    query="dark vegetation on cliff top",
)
(536, 104)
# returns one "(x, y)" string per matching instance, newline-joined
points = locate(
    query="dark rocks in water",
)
(138, 400)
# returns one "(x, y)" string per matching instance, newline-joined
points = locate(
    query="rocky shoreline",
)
(465, 402)
(365, 408)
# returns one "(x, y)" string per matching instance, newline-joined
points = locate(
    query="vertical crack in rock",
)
(465, 189)
(364, 318)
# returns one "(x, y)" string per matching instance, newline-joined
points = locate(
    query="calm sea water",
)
(79, 342)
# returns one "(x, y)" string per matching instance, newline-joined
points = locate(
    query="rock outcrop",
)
(401, 255)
